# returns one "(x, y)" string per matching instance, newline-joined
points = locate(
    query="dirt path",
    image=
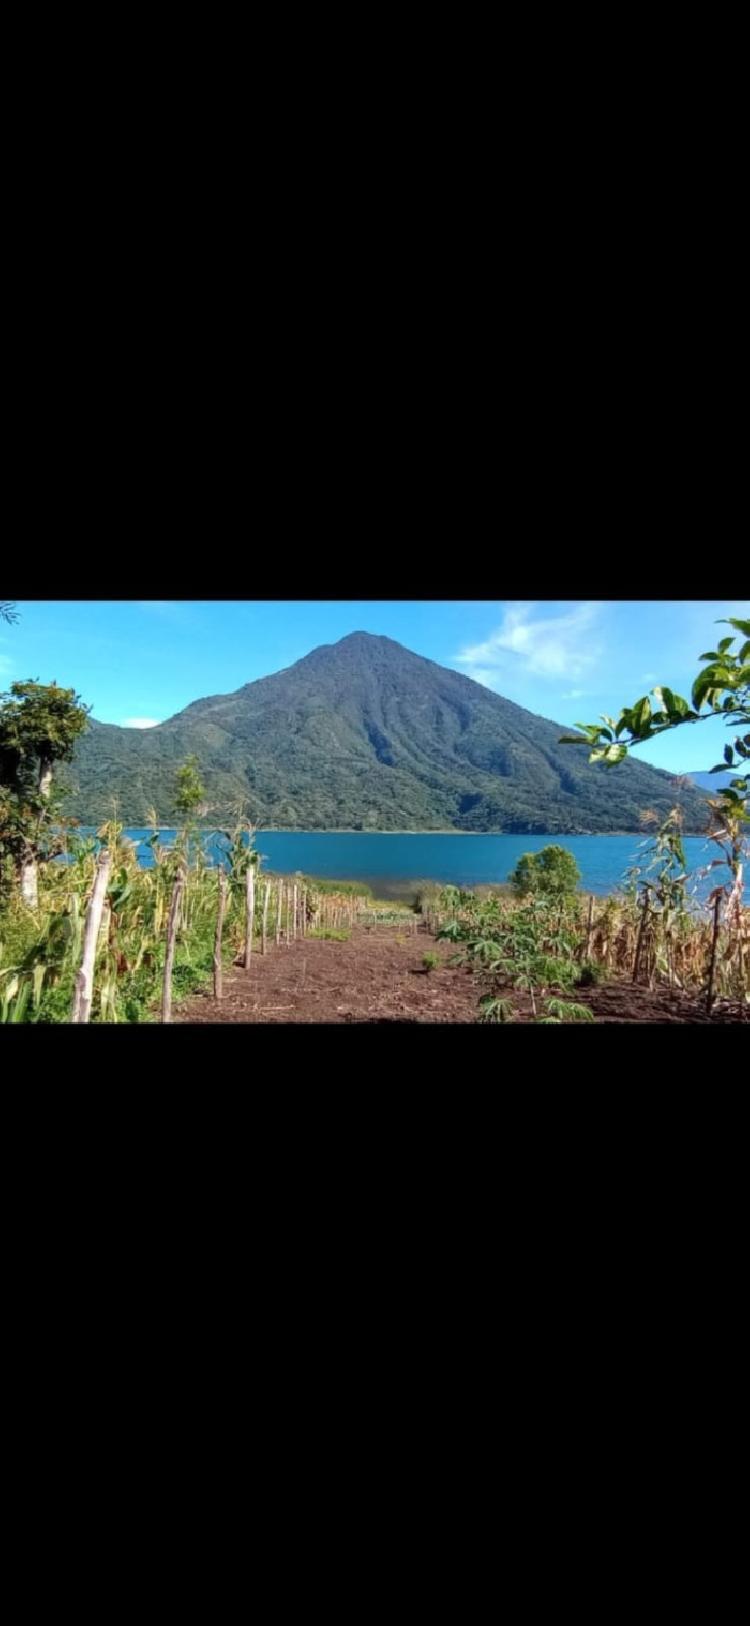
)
(376, 976)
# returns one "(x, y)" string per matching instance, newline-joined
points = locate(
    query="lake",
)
(389, 863)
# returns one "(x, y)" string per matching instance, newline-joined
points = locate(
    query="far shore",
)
(278, 830)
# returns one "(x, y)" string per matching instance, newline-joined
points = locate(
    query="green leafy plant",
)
(430, 962)
(495, 1009)
(560, 1010)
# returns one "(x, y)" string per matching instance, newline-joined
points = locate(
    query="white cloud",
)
(550, 646)
(573, 694)
(140, 722)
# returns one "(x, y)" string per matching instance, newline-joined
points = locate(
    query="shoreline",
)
(541, 835)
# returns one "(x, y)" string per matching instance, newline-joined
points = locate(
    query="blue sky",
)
(138, 662)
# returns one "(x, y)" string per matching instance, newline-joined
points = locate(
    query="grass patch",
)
(346, 889)
(330, 934)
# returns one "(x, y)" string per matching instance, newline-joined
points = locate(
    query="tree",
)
(39, 726)
(552, 872)
(190, 791)
(723, 687)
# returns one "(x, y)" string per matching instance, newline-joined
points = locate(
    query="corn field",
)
(214, 916)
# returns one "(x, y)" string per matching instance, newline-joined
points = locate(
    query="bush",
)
(553, 872)
(589, 975)
(430, 962)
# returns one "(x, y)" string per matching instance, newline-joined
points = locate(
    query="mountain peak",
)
(349, 637)
(367, 734)
(365, 638)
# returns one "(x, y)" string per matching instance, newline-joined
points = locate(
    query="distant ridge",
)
(364, 734)
(713, 781)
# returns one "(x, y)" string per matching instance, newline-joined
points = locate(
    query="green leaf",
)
(665, 696)
(731, 621)
(728, 755)
(709, 655)
(726, 643)
(701, 687)
(745, 651)
(641, 715)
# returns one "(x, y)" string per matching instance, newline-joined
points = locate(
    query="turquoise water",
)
(388, 863)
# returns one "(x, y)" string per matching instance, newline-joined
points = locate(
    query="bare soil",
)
(377, 976)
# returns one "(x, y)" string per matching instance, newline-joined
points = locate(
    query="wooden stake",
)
(279, 908)
(294, 913)
(639, 944)
(266, 896)
(249, 913)
(84, 988)
(714, 943)
(218, 988)
(589, 929)
(304, 911)
(174, 916)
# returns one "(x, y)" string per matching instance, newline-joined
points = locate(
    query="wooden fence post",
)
(639, 944)
(294, 913)
(714, 942)
(266, 896)
(589, 929)
(304, 911)
(218, 988)
(174, 916)
(279, 910)
(84, 988)
(249, 913)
